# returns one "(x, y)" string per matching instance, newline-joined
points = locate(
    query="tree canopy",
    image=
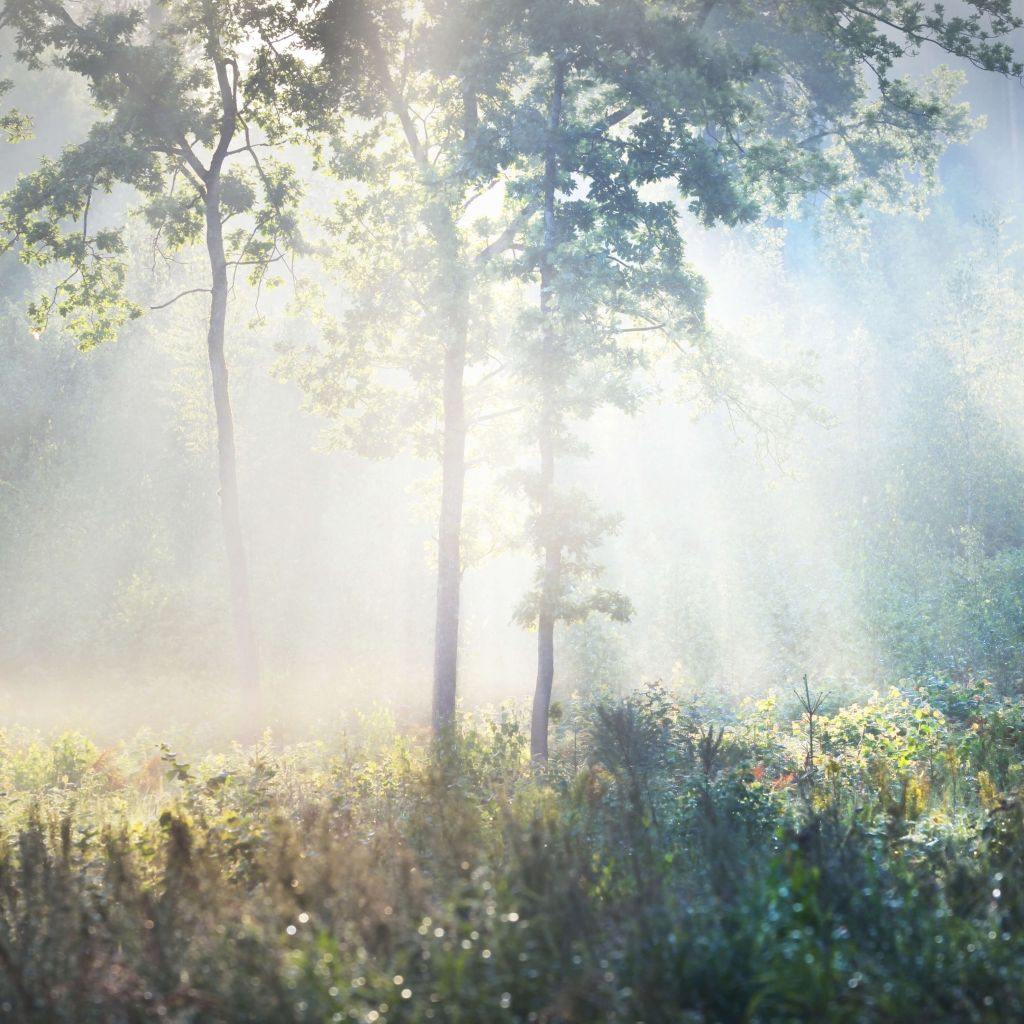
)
(514, 190)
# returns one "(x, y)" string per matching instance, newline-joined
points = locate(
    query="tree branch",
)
(507, 238)
(181, 295)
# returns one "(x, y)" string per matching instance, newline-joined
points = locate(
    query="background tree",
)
(938, 583)
(411, 255)
(171, 95)
(734, 110)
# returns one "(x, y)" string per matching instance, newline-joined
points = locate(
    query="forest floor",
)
(673, 862)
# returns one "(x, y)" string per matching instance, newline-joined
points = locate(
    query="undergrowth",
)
(673, 862)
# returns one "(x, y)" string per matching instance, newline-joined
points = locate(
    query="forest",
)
(511, 511)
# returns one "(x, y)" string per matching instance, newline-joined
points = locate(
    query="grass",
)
(671, 863)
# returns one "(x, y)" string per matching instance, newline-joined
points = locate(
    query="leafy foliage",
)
(15, 126)
(160, 91)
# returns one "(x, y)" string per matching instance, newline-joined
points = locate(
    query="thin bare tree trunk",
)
(548, 607)
(238, 572)
(449, 536)
(453, 454)
(552, 546)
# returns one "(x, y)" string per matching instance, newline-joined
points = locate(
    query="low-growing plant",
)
(665, 866)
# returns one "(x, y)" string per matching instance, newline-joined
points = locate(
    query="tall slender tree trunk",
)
(548, 614)
(449, 534)
(238, 573)
(552, 545)
(453, 454)
(453, 459)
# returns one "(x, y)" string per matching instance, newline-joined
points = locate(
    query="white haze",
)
(113, 600)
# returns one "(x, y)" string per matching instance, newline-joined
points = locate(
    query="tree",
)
(171, 94)
(939, 566)
(741, 111)
(610, 271)
(738, 114)
(427, 86)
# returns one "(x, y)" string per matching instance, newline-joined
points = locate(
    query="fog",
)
(753, 553)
